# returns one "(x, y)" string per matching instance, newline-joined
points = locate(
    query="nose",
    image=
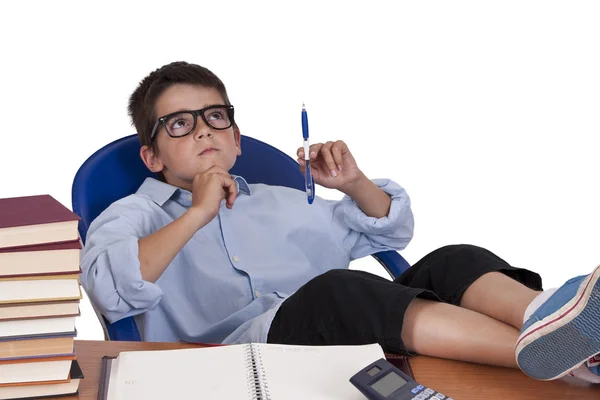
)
(208, 134)
(202, 129)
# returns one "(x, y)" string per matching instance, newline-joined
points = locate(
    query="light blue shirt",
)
(228, 281)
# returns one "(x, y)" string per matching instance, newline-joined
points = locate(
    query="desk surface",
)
(462, 381)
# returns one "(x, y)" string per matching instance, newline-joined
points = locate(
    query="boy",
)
(203, 256)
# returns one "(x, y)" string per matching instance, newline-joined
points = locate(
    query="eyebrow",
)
(205, 106)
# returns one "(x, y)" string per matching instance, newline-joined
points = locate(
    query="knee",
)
(456, 256)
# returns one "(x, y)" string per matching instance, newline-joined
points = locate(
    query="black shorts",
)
(347, 307)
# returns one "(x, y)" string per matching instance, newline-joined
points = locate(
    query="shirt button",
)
(257, 293)
(235, 258)
(189, 197)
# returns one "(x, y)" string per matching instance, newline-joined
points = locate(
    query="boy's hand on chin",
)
(332, 165)
(209, 188)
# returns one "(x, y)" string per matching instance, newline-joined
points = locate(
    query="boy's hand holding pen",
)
(330, 164)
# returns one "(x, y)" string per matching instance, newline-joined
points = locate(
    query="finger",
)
(220, 172)
(301, 161)
(230, 188)
(224, 175)
(328, 158)
(214, 170)
(314, 150)
(337, 150)
(231, 199)
(303, 169)
(300, 152)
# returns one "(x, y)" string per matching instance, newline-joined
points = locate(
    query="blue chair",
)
(116, 171)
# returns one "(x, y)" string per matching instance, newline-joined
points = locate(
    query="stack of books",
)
(39, 298)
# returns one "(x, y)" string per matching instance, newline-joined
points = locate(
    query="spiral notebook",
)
(248, 371)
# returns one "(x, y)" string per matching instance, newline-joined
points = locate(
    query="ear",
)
(152, 161)
(238, 140)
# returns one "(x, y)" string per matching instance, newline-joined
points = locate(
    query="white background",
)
(485, 111)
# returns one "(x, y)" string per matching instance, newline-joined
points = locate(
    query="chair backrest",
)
(116, 171)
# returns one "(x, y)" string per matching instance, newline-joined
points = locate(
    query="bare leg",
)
(446, 331)
(498, 296)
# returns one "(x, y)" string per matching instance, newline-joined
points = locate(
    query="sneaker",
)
(588, 371)
(564, 332)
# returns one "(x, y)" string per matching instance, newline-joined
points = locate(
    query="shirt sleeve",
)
(361, 235)
(110, 265)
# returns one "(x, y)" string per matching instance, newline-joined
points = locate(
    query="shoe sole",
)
(561, 342)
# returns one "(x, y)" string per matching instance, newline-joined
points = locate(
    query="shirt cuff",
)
(400, 213)
(124, 266)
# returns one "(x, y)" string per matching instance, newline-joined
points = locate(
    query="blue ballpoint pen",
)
(309, 182)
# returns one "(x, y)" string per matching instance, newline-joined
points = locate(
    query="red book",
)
(35, 220)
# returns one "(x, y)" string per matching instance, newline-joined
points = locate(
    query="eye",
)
(180, 122)
(216, 115)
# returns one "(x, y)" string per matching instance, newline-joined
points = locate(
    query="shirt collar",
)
(159, 192)
(242, 185)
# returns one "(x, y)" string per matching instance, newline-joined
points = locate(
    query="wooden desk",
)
(462, 381)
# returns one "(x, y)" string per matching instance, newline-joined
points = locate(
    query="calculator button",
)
(441, 396)
(423, 396)
(435, 398)
(429, 391)
(420, 387)
(415, 391)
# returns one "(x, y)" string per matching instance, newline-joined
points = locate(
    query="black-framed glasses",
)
(182, 123)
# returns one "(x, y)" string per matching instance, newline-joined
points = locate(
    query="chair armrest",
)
(124, 329)
(393, 262)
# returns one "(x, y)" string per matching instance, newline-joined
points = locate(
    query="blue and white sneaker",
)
(564, 332)
(589, 371)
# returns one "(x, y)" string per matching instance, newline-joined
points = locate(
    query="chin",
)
(206, 164)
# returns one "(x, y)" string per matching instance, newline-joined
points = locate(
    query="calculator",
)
(382, 381)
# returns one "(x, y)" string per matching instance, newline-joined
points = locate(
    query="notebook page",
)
(111, 390)
(315, 372)
(204, 373)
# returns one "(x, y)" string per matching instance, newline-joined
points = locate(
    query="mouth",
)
(208, 151)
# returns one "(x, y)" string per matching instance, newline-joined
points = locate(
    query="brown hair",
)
(142, 101)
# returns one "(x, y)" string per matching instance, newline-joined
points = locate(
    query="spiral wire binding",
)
(258, 388)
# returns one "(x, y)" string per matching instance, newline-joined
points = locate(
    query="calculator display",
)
(389, 384)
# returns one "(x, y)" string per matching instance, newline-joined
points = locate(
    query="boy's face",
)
(181, 159)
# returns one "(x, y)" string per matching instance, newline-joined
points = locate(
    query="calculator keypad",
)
(423, 393)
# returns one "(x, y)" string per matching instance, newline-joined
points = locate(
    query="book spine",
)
(258, 388)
